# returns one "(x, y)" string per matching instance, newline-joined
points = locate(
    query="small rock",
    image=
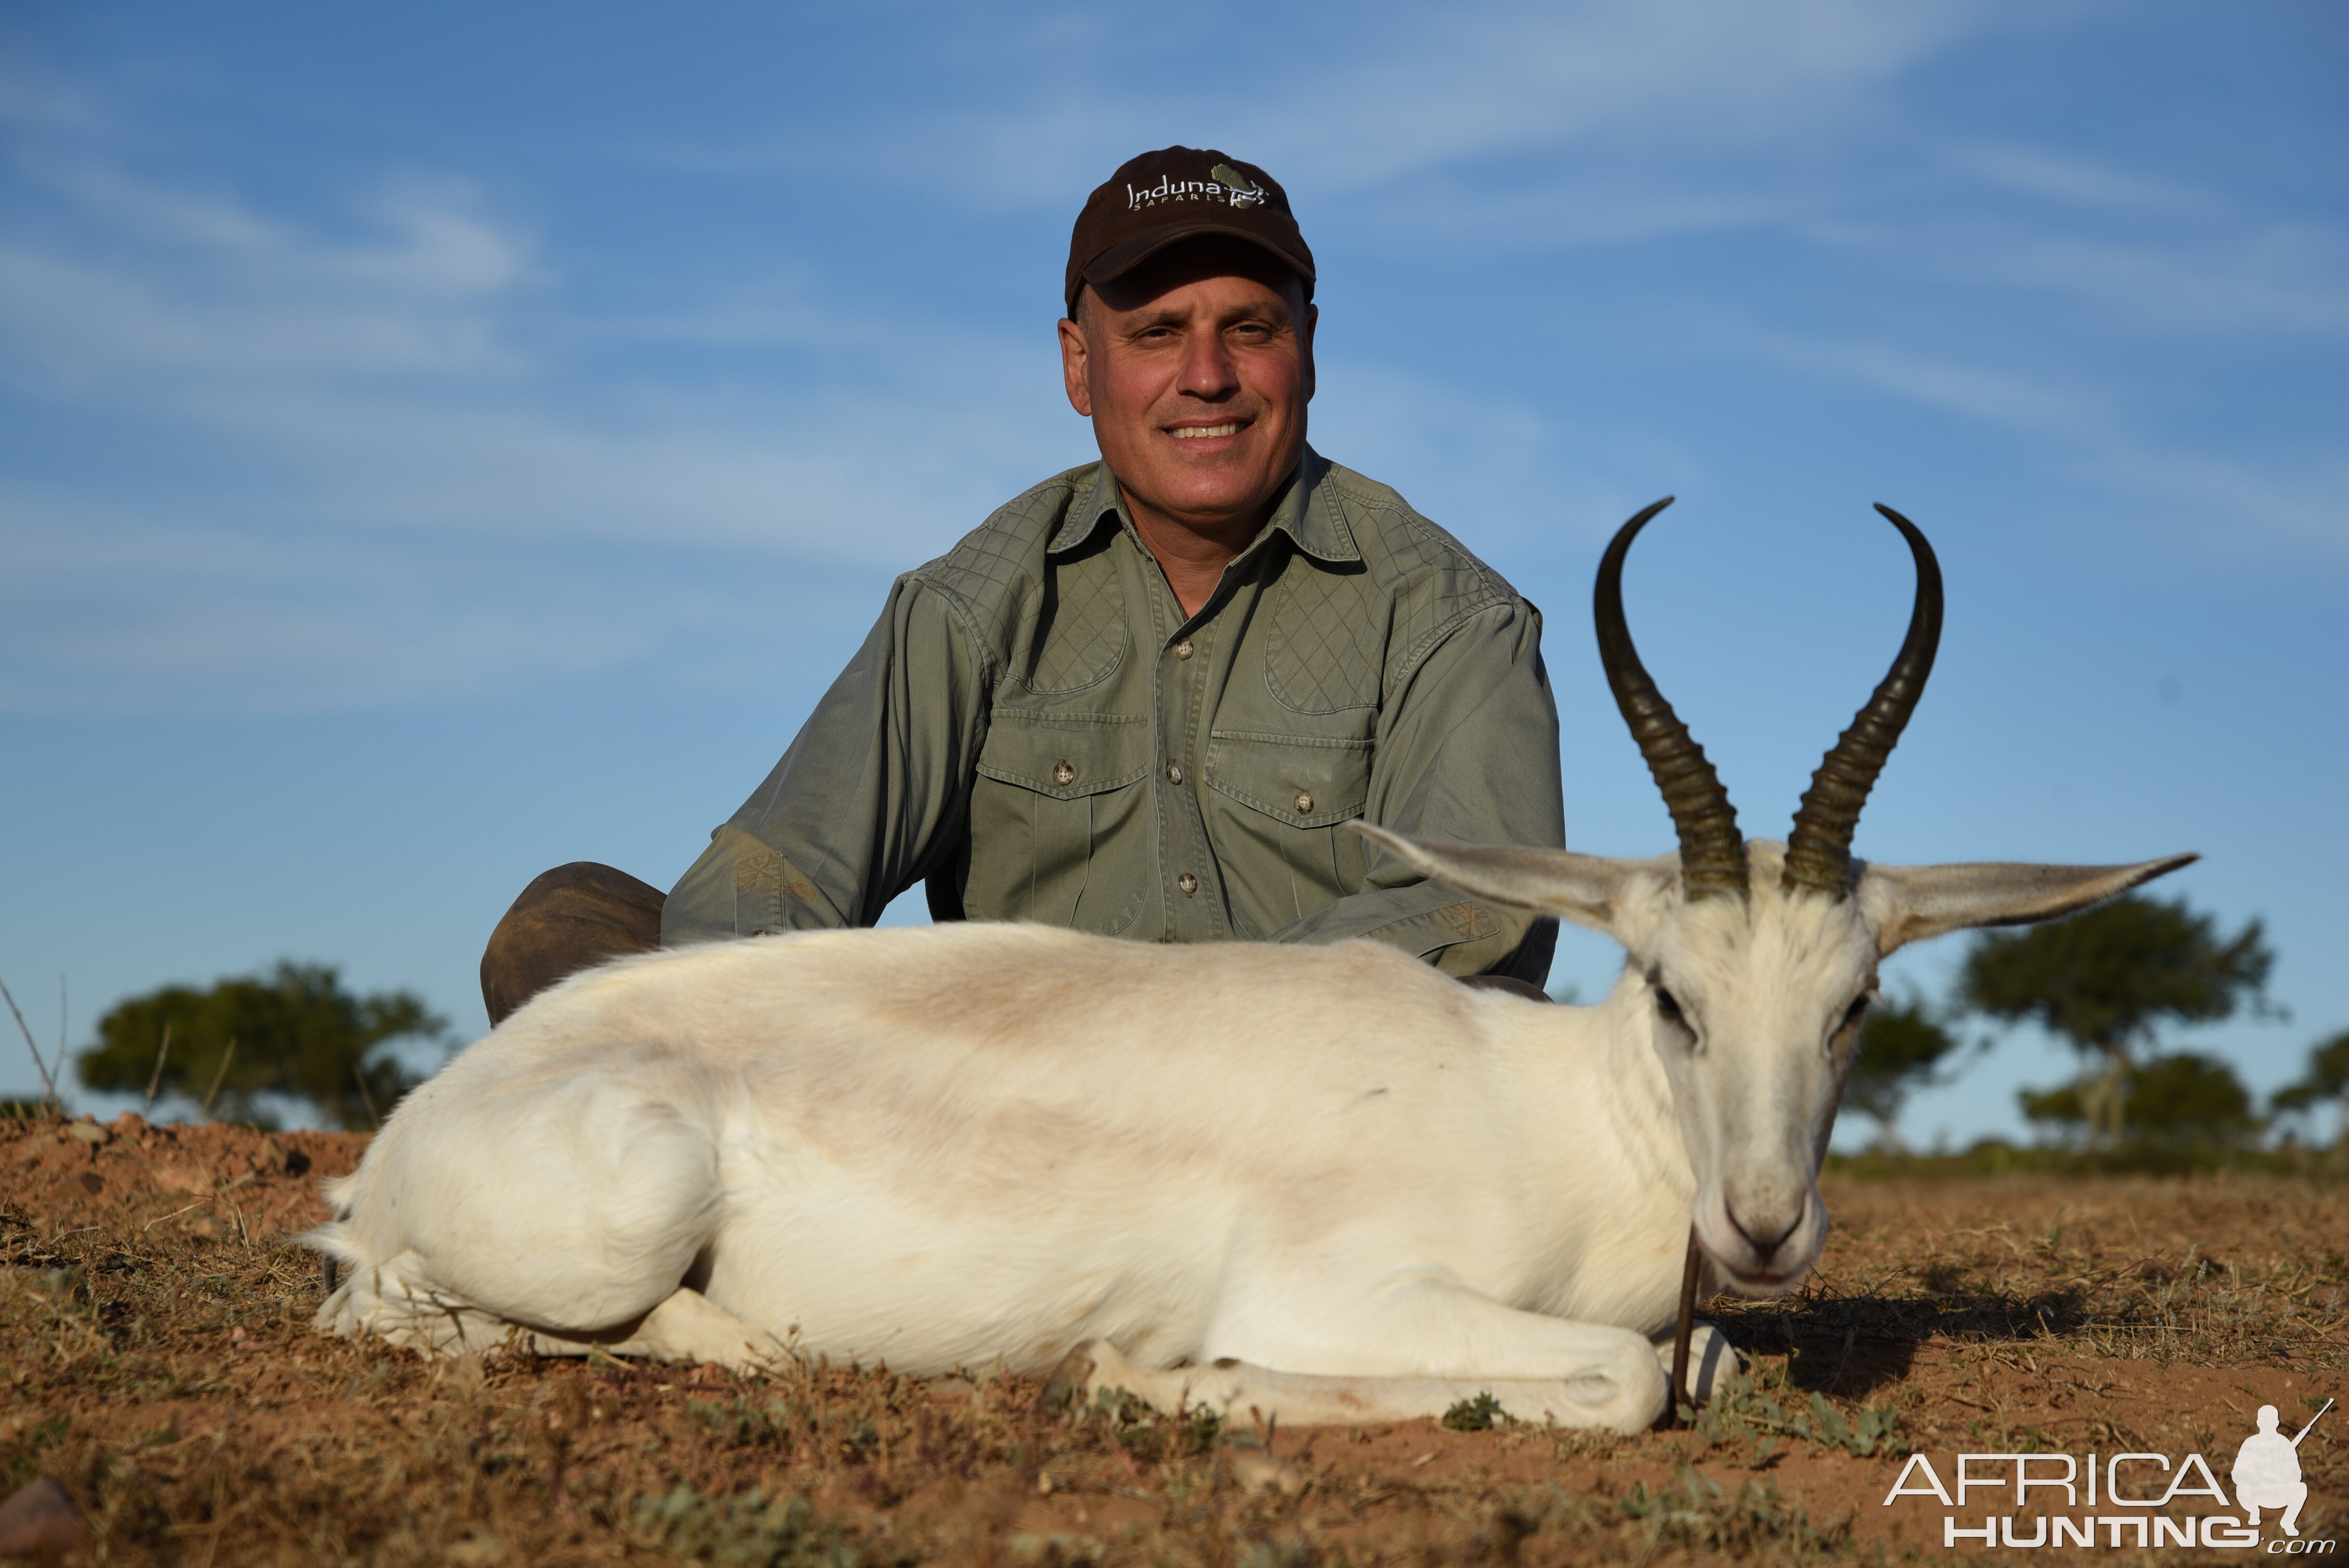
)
(130, 1124)
(91, 1182)
(180, 1178)
(40, 1522)
(274, 1159)
(89, 1132)
(1257, 1470)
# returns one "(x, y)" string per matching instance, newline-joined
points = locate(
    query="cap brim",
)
(1120, 260)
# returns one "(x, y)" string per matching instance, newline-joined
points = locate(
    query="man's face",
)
(1196, 368)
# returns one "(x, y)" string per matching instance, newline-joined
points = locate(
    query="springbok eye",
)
(1668, 1006)
(1855, 1012)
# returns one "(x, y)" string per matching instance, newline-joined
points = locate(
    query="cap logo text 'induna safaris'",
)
(1229, 185)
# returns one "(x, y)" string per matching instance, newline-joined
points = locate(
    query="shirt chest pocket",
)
(1300, 781)
(1061, 830)
(1274, 805)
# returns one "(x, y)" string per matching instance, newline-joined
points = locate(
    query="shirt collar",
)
(1307, 511)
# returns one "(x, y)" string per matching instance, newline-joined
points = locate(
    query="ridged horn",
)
(1712, 852)
(1818, 850)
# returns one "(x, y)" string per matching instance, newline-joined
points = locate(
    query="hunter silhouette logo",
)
(2267, 1472)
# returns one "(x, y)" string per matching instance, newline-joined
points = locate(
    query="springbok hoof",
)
(1712, 1361)
(1065, 1388)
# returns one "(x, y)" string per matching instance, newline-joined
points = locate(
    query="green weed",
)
(1481, 1414)
(744, 1531)
(1741, 1414)
(1698, 1513)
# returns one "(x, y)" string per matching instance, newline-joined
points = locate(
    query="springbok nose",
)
(1767, 1234)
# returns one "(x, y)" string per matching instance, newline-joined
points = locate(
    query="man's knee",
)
(570, 918)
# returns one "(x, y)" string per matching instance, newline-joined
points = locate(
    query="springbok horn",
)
(1818, 850)
(1712, 852)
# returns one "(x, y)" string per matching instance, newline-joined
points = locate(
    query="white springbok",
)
(1329, 1182)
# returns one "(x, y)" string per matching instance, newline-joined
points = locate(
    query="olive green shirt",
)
(1036, 727)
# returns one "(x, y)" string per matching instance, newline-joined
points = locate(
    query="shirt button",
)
(1174, 773)
(1064, 775)
(1188, 883)
(1183, 649)
(1304, 803)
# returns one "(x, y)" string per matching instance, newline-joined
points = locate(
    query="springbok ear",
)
(1588, 889)
(1909, 903)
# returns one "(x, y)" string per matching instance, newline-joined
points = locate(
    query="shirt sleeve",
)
(870, 797)
(1468, 753)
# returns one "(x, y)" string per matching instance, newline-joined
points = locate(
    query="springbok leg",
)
(1711, 1360)
(687, 1327)
(1307, 1399)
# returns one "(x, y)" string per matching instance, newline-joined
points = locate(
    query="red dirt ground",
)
(155, 1358)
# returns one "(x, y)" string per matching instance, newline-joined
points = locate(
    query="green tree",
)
(2185, 1101)
(296, 1031)
(2327, 1079)
(2106, 982)
(1901, 1046)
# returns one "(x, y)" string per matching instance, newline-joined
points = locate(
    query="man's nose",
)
(1209, 369)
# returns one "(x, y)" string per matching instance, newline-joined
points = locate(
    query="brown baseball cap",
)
(1161, 197)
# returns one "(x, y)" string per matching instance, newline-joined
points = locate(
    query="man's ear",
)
(1312, 319)
(1075, 358)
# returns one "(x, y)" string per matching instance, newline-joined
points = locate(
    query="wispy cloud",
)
(2073, 181)
(2272, 279)
(2273, 509)
(362, 438)
(1487, 82)
(1987, 394)
(349, 434)
(2258, 508)
(133, 278)
(1400, 94)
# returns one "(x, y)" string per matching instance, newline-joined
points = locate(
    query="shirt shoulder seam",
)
(1016, 531)
(1490, 585)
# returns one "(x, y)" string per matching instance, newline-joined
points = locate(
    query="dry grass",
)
(155, 1358)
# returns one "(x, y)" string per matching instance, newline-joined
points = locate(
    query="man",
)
(2267, 1473)
(1143, 699)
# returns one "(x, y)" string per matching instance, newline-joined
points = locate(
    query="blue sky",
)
(443, 441)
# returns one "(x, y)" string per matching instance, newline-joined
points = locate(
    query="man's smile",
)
(1202, 432)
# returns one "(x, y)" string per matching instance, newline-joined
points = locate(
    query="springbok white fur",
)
(1327, 1182)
